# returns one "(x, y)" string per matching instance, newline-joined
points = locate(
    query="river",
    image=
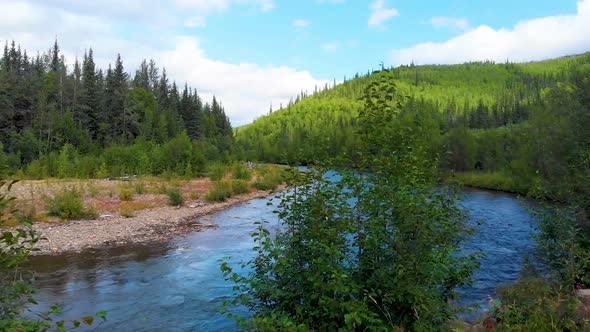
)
(178, 286)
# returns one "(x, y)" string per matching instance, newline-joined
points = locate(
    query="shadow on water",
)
(178, 286)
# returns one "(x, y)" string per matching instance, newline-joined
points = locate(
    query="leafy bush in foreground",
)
(375, 251)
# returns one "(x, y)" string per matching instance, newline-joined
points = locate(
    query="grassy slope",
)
(327, 117)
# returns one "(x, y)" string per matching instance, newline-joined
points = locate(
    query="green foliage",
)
(221, 191)
(62, 123)
(533, 304)
(216, 171)
(239, 187)
(92, 189)
(269, 177)
(241, 171)
(127, 213)
(377, 250)
(564, 239)
(526, 121)
(224, 189)
(15, 283)
(126, 193)
(175, 197)
(68, 204)
(139, 187)
(485, 180)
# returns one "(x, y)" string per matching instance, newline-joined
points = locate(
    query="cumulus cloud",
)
(206, 6)
(380, 14)
(195, 22)
(331, 46)
(528, 40)
(301, 23)
(449, 22)
(245, 89)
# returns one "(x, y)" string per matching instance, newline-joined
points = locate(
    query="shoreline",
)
(147, 226)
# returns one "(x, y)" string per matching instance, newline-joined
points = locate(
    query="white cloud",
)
(208, 6)
(195, 22)
(331, 46)
(336, 45)
(245, 89)
(534, 39)
(380, 14)
(449, 22)
(300, 23)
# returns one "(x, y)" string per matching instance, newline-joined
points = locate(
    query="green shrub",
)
(239, 187)
(126, 193)
(266, 184)
(139, 187)
(241, 172)
(221, 191)
(269, 177)
(175, 197)
(216, 171)
(532, 304)
(127, 213)
(67, 204)
(36, 170)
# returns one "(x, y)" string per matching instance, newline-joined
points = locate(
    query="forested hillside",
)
(521, 123)
(77, 120)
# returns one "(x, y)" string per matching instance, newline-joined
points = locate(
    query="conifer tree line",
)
(523, 121)
(46, 104)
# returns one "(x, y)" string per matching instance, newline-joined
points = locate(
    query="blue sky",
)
(338, 40)
(251, 53)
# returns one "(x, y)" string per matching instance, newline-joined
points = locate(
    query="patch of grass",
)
(225, 189)
(221, 191)
(194, 195)
(139, 187)
(175, 197)
(269, 177)
(493, 181)
(92, 189)
(534, 304)
(68, 204)
(126, 193)
(126, 213)
(161, 189)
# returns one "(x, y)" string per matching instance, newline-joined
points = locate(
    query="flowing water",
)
(178, 286)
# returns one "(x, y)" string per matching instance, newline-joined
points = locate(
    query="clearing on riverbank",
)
(74, 215)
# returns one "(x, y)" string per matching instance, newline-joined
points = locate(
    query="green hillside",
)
(477, 116)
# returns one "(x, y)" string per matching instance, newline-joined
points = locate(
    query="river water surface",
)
(178, 286)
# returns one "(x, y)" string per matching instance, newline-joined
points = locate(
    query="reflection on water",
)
(179, 287)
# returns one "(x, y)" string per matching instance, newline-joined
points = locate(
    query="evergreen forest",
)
(61, 119)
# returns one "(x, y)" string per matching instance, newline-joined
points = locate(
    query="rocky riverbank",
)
(149, 225)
